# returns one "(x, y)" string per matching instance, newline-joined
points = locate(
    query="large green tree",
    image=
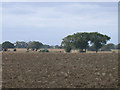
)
(35, 45)
(98, 40)
(21, 44)
(81, 41)
(67, 43)
(7, 44)
(76, 41)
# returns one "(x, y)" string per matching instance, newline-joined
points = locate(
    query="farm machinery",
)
(45, 50)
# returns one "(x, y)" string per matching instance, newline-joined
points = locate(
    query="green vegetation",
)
(21, 44)
(68, 48)
(98, 40)
(92, 41)
(118, 46)
(35, 45)
(0, 47)
(108, 47)
(81, 41)
(7, 45)
(45, 50)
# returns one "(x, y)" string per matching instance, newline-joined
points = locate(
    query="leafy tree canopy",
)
(81, 40)
(108, 47)
(35, 45)
(7, 44)
(21, 44)
(98, 40)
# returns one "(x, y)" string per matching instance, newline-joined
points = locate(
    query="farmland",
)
(59, 70)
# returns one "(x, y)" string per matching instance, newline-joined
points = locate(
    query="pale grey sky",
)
(50, 22)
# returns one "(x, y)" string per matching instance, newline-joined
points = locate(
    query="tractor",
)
(45, 50)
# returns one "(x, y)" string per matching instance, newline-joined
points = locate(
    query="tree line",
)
(33, 45)
(92, 41)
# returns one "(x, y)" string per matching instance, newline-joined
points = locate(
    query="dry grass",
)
(24, 50)
(62, 50)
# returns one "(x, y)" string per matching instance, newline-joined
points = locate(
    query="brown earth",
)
(59, 70)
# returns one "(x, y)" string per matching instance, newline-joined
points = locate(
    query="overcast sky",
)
(50, 22)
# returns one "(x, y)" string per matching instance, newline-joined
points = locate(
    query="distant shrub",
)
(15, 50)
(47, 50)
(44, 51)
(68, 49)
(40, 51)
(5, 49)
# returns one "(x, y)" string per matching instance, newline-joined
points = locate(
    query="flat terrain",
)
(56, 70)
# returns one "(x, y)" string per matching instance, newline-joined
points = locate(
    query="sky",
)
(50, 22)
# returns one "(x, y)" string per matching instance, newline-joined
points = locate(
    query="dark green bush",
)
(15, 50)
(68, 48)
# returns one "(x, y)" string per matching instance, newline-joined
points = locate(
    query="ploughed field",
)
(59, 70)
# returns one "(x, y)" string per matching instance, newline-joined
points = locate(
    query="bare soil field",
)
(59, 70)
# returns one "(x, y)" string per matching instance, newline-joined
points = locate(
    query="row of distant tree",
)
(92, 41)
(34, 45)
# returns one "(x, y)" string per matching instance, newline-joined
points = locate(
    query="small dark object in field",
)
(4, 49)
(27, 48)
(44, 50)
(36, 50)
(15, 50)
(40, 51)
(47, 50)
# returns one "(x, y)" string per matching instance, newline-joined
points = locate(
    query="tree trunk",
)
(81, 50)
(96, 51)
(85, 49)
(5, 49)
